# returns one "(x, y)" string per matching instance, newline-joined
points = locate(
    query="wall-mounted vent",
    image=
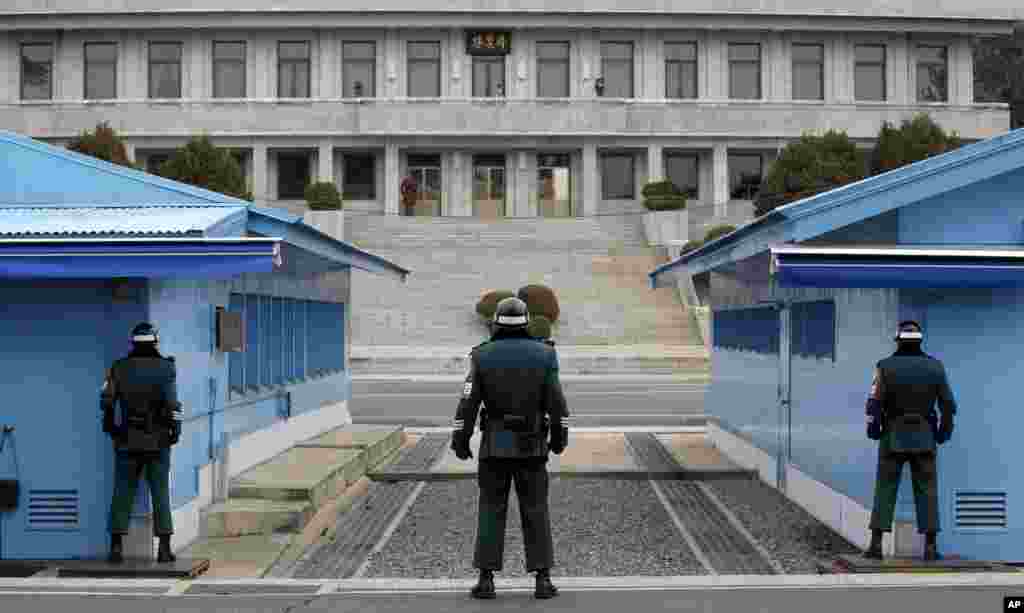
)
(980, 510)
(53, 510)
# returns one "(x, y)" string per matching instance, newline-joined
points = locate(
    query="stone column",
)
(842, 70)
(325, 162)
(720, 174)
(522, 208)
(650, 86)
(260, 163)
(961, 72)
(590, 180)
(901, 87)
(655, 162)
(392, 180)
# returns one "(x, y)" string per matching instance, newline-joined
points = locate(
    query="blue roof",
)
(154, 220)
(827, 211)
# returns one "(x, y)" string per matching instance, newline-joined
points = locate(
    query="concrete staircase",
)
(597, 267)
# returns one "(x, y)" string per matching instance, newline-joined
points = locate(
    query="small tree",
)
(201, 164)
(812, 164)
(663, 196)
(323, 196)
(103, 143)
(489, 303)
(913, 141)
(539, 327)
(540, 300)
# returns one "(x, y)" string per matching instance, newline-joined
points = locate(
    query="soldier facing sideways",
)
(901, 416)
(516, 377)
(144, 385)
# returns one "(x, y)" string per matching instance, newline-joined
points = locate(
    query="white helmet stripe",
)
(144, 338)
(512, 321)
(910, 336)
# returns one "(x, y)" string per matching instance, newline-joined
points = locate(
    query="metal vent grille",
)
(53, 510)
(980, 510)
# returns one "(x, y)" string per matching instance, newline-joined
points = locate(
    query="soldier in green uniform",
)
(143, 384)
(515, 376)
(901, 416)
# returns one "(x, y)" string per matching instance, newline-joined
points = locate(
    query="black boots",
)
(484, 587)
(931, 551)
(164, 554)
(544, 588)
(116, 549)
(874, 551)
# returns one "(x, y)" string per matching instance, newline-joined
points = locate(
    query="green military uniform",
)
(516, 378)
(145, 387)
(905, 390)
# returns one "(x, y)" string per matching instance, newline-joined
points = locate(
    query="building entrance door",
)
(489, 186)
(426, 170)
(554, 185)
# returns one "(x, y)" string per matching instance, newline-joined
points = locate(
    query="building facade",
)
(494, 111)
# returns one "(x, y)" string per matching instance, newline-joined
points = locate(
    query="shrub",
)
(663, 196)
(690, 246)
(540, 300)
(718, 232)
(323, 196)
(539, 327)
(489, 303)
(103, 143)
(201, 164)
(913, 141)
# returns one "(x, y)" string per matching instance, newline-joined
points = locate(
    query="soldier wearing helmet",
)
(516, 377)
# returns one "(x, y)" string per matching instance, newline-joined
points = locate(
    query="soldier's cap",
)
(909, 331)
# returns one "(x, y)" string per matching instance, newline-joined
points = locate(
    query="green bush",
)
(540, 300)
(539, 327)
(103, 143)
(489, 303)
(913, 141)
(690, 246)
(201, 164)
(323, 196)
(663, 196)
(718, 232)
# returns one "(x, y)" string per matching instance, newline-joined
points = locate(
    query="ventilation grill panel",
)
(981, 510)
(53, 510)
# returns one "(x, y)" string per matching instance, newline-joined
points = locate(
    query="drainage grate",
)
(979, 510)
(651, 454)
(421, 456)
(53, 510)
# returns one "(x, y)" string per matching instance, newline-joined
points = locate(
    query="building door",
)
(554, 185)
(55, 345)
(426, 170)
(785, 393)
(489, 186)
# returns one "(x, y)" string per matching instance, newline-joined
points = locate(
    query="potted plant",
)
(325, 209)
(666, 221)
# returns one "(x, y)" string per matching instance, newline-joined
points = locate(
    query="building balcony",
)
(487, 117)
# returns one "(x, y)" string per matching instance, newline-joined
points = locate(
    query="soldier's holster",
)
(910, 433)
(142, 435)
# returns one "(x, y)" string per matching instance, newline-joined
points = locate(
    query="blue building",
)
(87, 250)
(806, 299)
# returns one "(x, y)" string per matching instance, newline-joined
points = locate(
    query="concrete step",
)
(251, 516)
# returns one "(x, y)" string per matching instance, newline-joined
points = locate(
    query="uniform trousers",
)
(495, 476)
(887, 482)
(129, 466)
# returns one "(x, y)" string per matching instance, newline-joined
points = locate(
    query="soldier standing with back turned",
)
(516, 377)
(901, 416)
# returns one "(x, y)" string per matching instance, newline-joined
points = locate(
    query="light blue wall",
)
(744, 395)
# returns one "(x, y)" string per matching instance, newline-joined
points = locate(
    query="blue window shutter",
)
(313, 347)
(288, 331)
(301, 321)
(276, 353)
(252, 333)
(236, 361)
(341, 336)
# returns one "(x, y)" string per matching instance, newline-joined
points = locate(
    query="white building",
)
(366, 93)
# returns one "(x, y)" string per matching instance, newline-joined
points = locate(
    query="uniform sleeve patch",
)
(467, 389)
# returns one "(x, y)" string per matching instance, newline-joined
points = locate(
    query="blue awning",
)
(139, 258)
(898, 267)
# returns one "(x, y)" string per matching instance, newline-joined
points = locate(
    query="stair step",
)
(251, 516)
(312, 474)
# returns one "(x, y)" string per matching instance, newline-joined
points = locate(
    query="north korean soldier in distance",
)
(516, 377)
(144, 385)
(901, 416)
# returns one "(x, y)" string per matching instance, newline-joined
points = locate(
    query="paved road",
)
(601, 402)
(723, 599)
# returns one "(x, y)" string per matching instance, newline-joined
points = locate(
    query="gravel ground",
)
(600, 528)
(789, 533)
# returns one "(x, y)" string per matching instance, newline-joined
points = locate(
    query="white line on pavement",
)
(390, 529)
(741, 528)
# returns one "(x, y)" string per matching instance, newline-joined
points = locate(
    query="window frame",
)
(489, 60)
(631, 194)
(243, 62)
(674, 63)
(919, 63)
(150, 62)
(631, 62)
(693, 194)
(21, 69)
(346, 157)
(819, 64)
(744, 154)
(884, 65)
(309, 173)
(368, 92)
(410, 61)
(86, 64)
(759, 63)
(307, 62)
(547, 62)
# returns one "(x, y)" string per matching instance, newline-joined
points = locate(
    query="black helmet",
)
(511, 314)
(909, 332)
(145, 333)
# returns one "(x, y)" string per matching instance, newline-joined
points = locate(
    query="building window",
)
(359, 69)
(488, 76)
(293, 70)
(745, 71)
(744, 175)
(681, 70)
(869, 72)
(229, 69)
(424, 66)
(808, 72)
(360, 176)
(618, 176)
(37, 71)
(682, 169)
(932, 72)
(100, 71)
(617, 69)
(165, 70)
(552, 70)
(813, 329)
(286, 341)
(292, 175)
(751, 329)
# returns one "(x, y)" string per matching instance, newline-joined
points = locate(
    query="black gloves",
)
(557, 443)
(944, 433)
(875, 430)
(175, 432)
(460, 445)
